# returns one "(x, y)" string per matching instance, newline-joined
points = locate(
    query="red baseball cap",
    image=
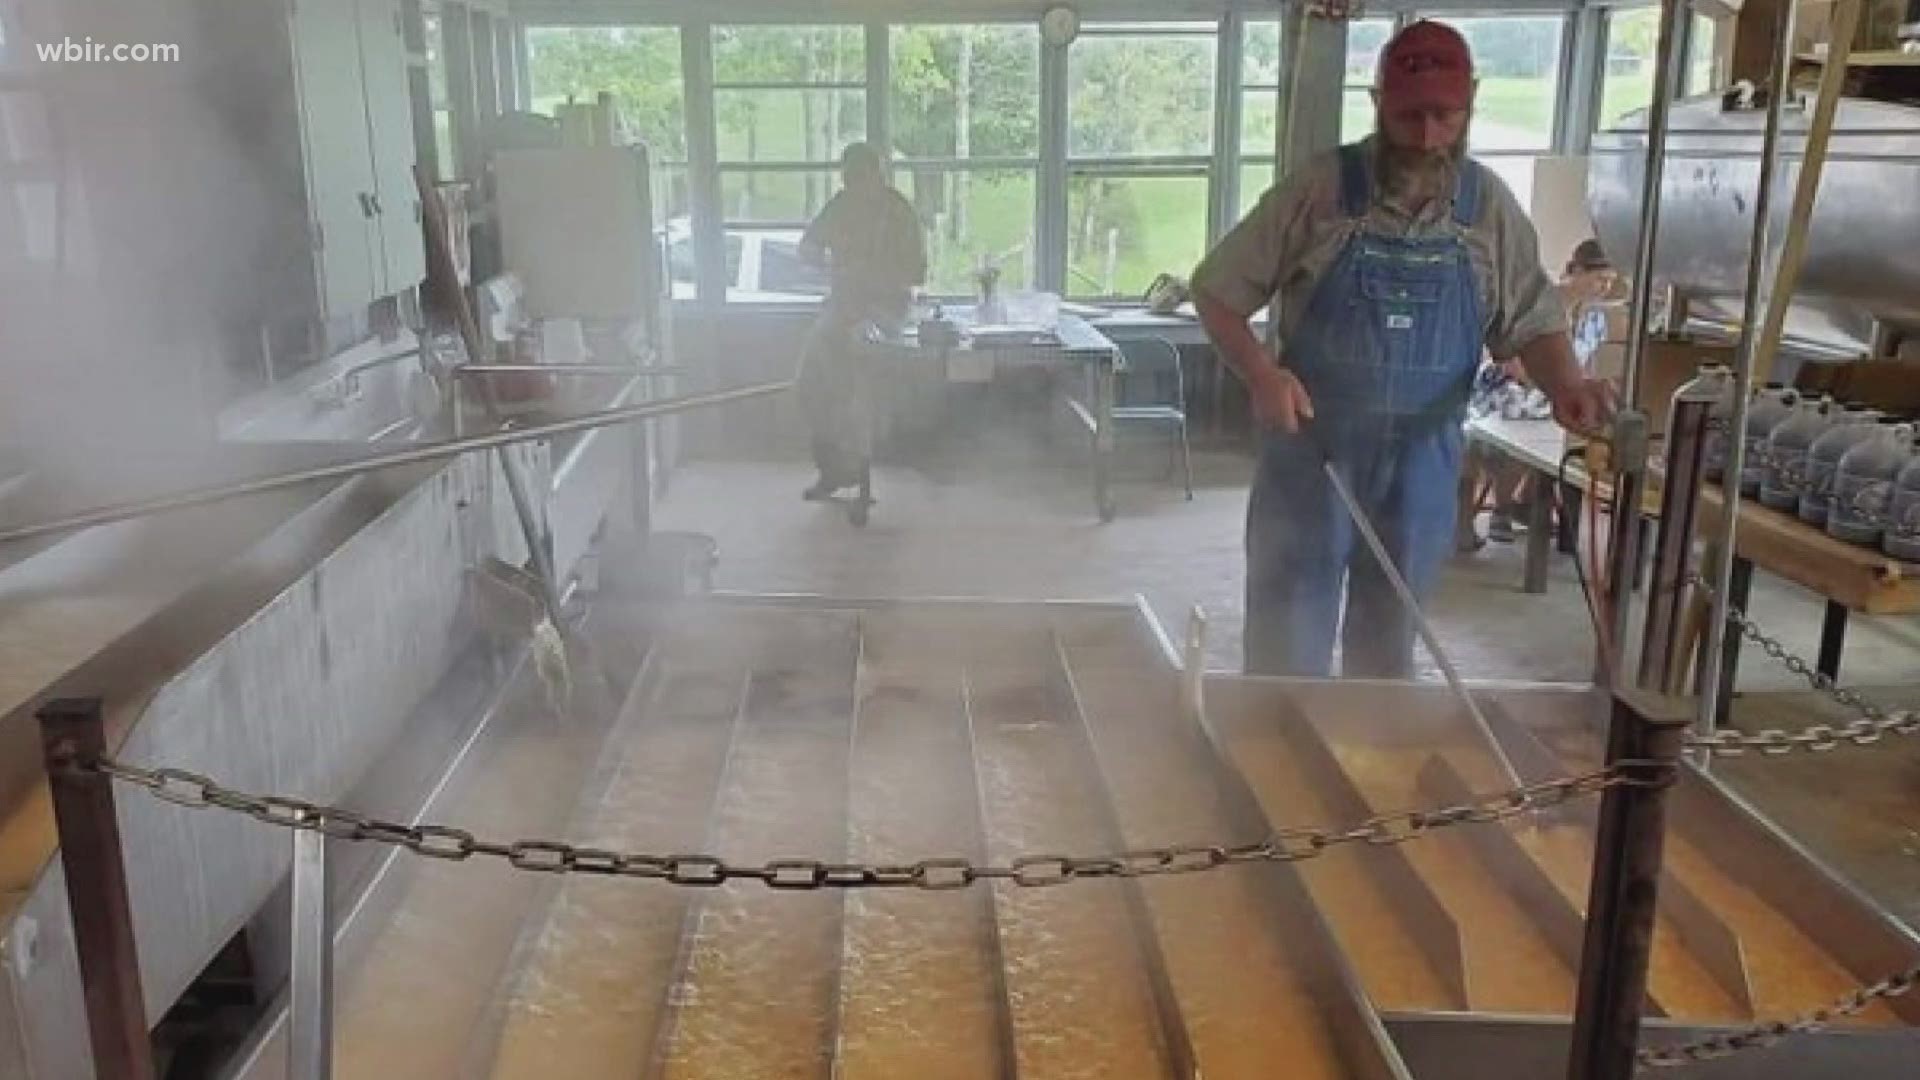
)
(1427, 64)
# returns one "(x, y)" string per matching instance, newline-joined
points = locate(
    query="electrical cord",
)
(1601, 630)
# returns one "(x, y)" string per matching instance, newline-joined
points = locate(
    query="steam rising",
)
(150, 256)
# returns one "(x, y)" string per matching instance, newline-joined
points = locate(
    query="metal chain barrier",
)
(1764, 1035)
(1872, 722)
(1288, 845)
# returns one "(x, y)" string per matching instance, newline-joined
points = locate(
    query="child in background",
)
(1588, 286)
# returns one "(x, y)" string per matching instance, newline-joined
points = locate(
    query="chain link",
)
(1287, 845)
(1871, 723)
(1763, 1035)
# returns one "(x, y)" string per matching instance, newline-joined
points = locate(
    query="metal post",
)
(1105, 377)
(1625, 887)
(310, 1015)
(1630, 445)
(73, 738)
(1679, 502)
(1712, 706)
(1833, 639)
(1640, 312)
(1193, 675)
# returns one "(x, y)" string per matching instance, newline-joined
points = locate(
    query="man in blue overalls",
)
(1391, 263)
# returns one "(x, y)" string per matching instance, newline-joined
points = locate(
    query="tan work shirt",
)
(1281, 249)
(873, 238)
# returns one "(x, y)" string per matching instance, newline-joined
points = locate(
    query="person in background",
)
(1500, 388)
(1394, 262)
(869, 239)
(1588, 287)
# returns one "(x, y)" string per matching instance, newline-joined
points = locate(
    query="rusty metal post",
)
(1645, 729)
(1673, 550)
(73, 736)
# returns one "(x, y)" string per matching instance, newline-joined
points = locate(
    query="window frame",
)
(1563, 80)
(1204, 166)
(1234, 170)
(973, 164)
(724, 167)
(1223, 168)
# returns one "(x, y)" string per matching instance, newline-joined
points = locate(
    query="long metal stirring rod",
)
(1364, 526)
(410, 455)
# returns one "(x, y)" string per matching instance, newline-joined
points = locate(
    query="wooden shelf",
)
(1881, 59)
(1861, 578)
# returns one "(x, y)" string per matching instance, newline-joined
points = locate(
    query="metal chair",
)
(1153, 364)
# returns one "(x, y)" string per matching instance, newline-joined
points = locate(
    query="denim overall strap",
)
(1356, 181)
(1387, 348)
(1394, 325)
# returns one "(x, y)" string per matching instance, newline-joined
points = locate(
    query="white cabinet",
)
(356, 129)
(339, 156)
(396, 205)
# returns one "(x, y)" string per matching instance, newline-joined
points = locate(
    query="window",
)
(1631, 39)
(1517, 59)
(1703, 61)
(964, 117)
(1140, 144)
(437, 95)
(1365, 39)
(787, 100)
(1259, 108)
(1627, 78)
(1518, 64)
(640, 67)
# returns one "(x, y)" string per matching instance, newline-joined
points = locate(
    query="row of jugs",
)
(1845, 468)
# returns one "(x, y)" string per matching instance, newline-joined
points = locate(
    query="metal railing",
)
(411, 455)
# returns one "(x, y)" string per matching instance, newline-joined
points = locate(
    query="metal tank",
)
(1863, 261)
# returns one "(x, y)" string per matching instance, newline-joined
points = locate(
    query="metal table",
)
(1073, 343)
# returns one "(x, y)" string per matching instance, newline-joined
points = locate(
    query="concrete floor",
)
(1013, 522)
(1008, 517)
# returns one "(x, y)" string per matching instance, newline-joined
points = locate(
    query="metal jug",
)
(1902, 536)
(1863, 484)
(1853, 424)
(1785, 460)
(1770, 407)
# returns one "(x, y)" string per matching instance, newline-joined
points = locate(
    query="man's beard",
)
(1415, 177)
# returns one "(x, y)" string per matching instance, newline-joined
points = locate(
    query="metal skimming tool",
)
(1365, 527)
